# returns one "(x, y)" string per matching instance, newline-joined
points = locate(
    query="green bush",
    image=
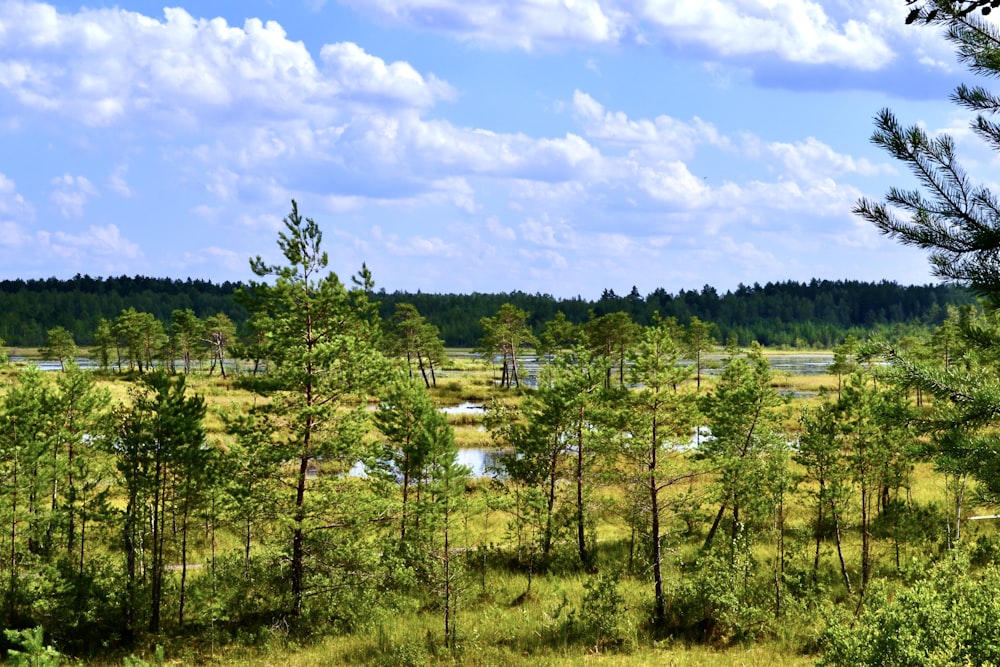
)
(951, 617)
(604, 620)
(720, 601)
(34, 652)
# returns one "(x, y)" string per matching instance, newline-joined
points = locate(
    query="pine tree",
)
(321, 342)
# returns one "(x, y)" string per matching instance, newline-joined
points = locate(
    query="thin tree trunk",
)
(157, 584)
(819, 526)
(423, 371)
(406, 493)
(550, 506)
(865, 536)
(715, 527)
(246, 549)
(840, 551)
(660, 605)
(298, 537)
(11, 594)
(447, 577)
(581, 537)
(184, 539)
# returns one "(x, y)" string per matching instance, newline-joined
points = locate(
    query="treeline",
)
(30, 308)
(819, 313)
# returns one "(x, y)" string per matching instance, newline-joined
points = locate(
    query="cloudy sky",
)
(555, 146)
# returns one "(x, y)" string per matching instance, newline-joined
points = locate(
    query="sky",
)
(561, 147)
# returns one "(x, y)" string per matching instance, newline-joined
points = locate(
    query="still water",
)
(481, 462)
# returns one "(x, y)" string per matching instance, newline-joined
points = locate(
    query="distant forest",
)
(819, 313)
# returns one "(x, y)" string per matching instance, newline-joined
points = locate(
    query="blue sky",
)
(554, 146)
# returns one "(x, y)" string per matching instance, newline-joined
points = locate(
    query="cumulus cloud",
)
(797, 31)
(792, 30)
(440, 147)
(71, 193)
(667, 137)
(365, 75)
(101, 248)
(811, 157)
(103, 66)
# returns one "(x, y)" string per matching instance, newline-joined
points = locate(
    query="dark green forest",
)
(819, 313)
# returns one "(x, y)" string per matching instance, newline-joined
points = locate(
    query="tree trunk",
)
(865, 536)
(184, 540)
(660, 605)
(423, 371)
(550, 506)
(156, 591)
(298, 538)
(715, 527)
(819, 526)
(581, 537)
(840, 552)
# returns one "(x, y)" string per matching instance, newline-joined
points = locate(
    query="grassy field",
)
(506, 619)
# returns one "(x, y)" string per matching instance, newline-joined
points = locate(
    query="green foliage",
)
(34, 652)
(504, 336)
(951, 617)
(321, 343)
(411, 337)
(722, 599)
(59, 345)
(159, 659)
(604, 619)
(742, 412)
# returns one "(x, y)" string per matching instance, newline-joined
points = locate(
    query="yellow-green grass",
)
(494, 630)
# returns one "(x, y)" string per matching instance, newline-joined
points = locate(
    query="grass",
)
(501, 623)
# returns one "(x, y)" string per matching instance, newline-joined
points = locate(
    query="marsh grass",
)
(502, 620)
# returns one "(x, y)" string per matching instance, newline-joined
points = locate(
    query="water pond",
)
(479, 460)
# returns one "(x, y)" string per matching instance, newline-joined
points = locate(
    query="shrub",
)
(604, 621)
(951, 617)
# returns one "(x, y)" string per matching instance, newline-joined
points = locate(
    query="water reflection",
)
(482, 462)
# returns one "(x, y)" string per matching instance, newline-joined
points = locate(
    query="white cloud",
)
(13, 235)
(71, 193)
(420, 246)
(549, 259)
(671, 182)
(117, 182)
(543, 233)
(101, 241)
(105, 66)
(798, 31)
(820, 197)
(215, 258)
(365, 75)
(12, 204)
(809, 159)
(666, 137)
(616, 244)
(525, 24)
(499, 230)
